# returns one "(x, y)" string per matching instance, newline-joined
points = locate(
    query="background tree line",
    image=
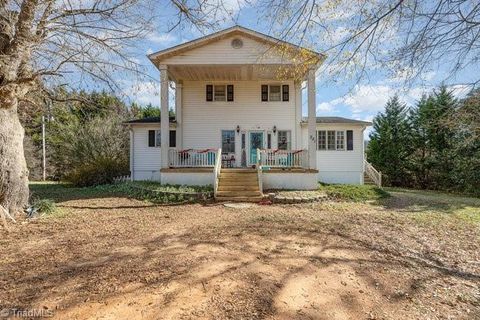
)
(86, 141)
(432, 145)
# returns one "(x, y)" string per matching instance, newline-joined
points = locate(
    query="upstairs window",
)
(219, 92)
(275, 92)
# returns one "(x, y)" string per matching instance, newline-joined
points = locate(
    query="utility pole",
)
(44, 157)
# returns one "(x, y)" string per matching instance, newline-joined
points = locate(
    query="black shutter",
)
(209, 92)
(151, 138)
(173, 138)
(349, 139)
(230, 92)
(285, 92)
(264, 92)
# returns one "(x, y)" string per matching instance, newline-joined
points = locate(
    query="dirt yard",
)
(415, 256)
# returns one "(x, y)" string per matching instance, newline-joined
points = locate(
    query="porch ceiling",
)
(234, 72)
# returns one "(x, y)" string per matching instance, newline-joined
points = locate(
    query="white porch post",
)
(298, 115)
(312, 120)
(164, 121)
(178, 114)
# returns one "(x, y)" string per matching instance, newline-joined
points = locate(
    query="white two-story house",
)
(238, 120)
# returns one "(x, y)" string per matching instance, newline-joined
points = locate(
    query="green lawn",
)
(356, 193)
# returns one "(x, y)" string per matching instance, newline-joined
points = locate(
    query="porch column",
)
(312, 120)
(178, 114)
(164, 121)
(298, 115)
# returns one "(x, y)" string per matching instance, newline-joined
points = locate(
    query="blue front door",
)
(256, 142)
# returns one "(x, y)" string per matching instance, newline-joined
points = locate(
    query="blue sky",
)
(335, 96)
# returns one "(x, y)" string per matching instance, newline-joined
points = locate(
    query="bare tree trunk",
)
(13, 168)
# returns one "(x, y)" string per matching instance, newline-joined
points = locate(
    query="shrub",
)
(91, 152)
(44, 206)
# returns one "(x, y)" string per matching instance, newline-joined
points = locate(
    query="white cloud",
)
(368, 98)
(329, 106)
(149, 51)
(161, 38)
(143, 93)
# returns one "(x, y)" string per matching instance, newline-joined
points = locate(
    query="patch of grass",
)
(356, 193)
(433, 206)
(45, 206)
(143, 190)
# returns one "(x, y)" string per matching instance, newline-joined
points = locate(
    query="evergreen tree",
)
(466, 145)
(389, 146)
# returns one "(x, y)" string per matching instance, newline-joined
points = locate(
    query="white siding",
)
(340, 166)
(146, 160)
(221, 52)
(203, 121)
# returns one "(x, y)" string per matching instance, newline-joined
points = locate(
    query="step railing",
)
(284, 158)
(216, 171)
(258, 166)
(372, 173)
(191, 158)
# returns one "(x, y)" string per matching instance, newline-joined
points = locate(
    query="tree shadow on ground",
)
(234, 271)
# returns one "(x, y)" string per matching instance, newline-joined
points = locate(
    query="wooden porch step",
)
(240, 199)
(236, 182)
(236, 187)
(239, 193)
(238, 171)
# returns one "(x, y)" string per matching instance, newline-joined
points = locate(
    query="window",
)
(331, 140)
(219, 93)
(284, 140)
(340, 140)
(228, 141)
(334, 140)
(155, 138)
(322, 140)
(349, 139)
(274, 93)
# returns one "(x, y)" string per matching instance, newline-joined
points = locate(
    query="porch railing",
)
(372, 173)
(191, 158)
(284, 158)
(216, 171)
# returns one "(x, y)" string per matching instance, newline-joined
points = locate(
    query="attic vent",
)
(237, 43)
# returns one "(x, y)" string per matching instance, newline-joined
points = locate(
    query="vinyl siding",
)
(146, 160)
(340, 166)
(203, 121)
(221, 52)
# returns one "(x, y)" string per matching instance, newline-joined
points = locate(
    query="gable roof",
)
(339, 120)
(225, 33)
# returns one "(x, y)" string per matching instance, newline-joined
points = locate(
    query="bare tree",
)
(404, 38)
(73, 40)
